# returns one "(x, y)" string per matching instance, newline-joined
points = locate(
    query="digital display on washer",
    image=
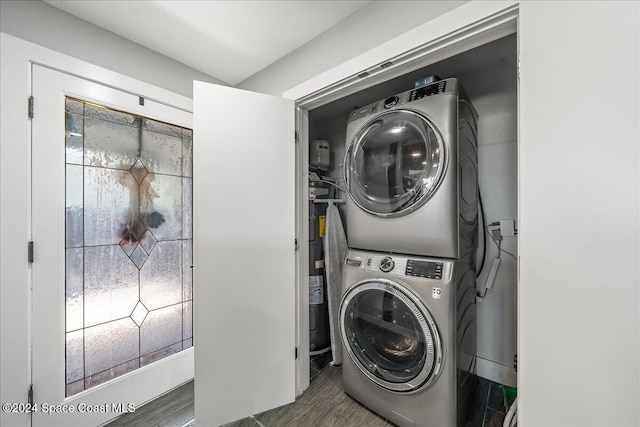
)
(429, 270)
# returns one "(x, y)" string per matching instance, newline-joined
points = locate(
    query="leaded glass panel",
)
(74, 289)
(161, 276)
(128, 242)
(161, 153)
(162, 328)
(110, 145)
(74, 211)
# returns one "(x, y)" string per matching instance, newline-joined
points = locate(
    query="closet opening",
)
(488, 74)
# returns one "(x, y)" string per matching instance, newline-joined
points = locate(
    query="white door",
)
(82, 373)
(244, 253)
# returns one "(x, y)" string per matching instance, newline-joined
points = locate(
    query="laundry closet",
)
(488, 74)
(521, 128)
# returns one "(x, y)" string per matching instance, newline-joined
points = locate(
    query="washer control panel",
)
(398, 265)
(426, 269)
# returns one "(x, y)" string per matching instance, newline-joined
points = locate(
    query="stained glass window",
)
(128, 243)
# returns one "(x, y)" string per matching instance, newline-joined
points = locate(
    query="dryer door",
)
(394, 163)
(390, 336)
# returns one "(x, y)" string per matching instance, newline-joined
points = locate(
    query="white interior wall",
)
(493, 91)
(367, 28)
(578, 362)
(45, 25)
(489, 77)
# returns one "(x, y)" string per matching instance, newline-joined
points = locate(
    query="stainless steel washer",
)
(408, 326)
(411, 173)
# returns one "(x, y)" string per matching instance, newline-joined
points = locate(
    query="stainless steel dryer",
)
(411, 173)
(408, 325)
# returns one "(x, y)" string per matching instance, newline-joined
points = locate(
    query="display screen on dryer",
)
(433, 89)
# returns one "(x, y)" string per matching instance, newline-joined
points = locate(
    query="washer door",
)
(390, 336)
(394, 163)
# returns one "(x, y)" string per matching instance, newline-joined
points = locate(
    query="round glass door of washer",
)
(394, 163)
(390, 336)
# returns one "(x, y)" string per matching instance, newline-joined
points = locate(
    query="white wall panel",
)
(369, 27)
(15, 364)
(41, 23)
(579, 208)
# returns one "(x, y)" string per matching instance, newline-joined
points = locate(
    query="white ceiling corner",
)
(229, 40)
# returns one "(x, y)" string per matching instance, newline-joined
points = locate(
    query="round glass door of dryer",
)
(394, 163)
(390, 336)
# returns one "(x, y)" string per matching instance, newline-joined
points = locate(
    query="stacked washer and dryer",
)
(407, 315)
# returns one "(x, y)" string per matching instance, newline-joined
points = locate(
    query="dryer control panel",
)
(441, 86)
(432, 89)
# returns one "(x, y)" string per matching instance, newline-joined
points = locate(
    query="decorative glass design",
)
(128, 243)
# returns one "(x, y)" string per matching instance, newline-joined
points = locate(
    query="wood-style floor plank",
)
(324, 404)
(174, 409)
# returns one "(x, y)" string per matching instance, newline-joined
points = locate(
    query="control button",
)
(409, 270)
(387, 264)
(391, 101)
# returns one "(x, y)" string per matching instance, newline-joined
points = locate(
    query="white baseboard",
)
(496, 372)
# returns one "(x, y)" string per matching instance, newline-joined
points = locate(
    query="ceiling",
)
(229, 40)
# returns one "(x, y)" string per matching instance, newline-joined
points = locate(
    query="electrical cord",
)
(484, 238)
(506, 252)
(499, 242)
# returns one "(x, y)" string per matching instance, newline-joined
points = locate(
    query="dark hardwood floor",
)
(324, 404)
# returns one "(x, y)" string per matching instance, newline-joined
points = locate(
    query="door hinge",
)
(30, 252)
(296, 353)
(296, 246)
(296, 137)
(30, 395)
(30, 108)
(518, 65)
